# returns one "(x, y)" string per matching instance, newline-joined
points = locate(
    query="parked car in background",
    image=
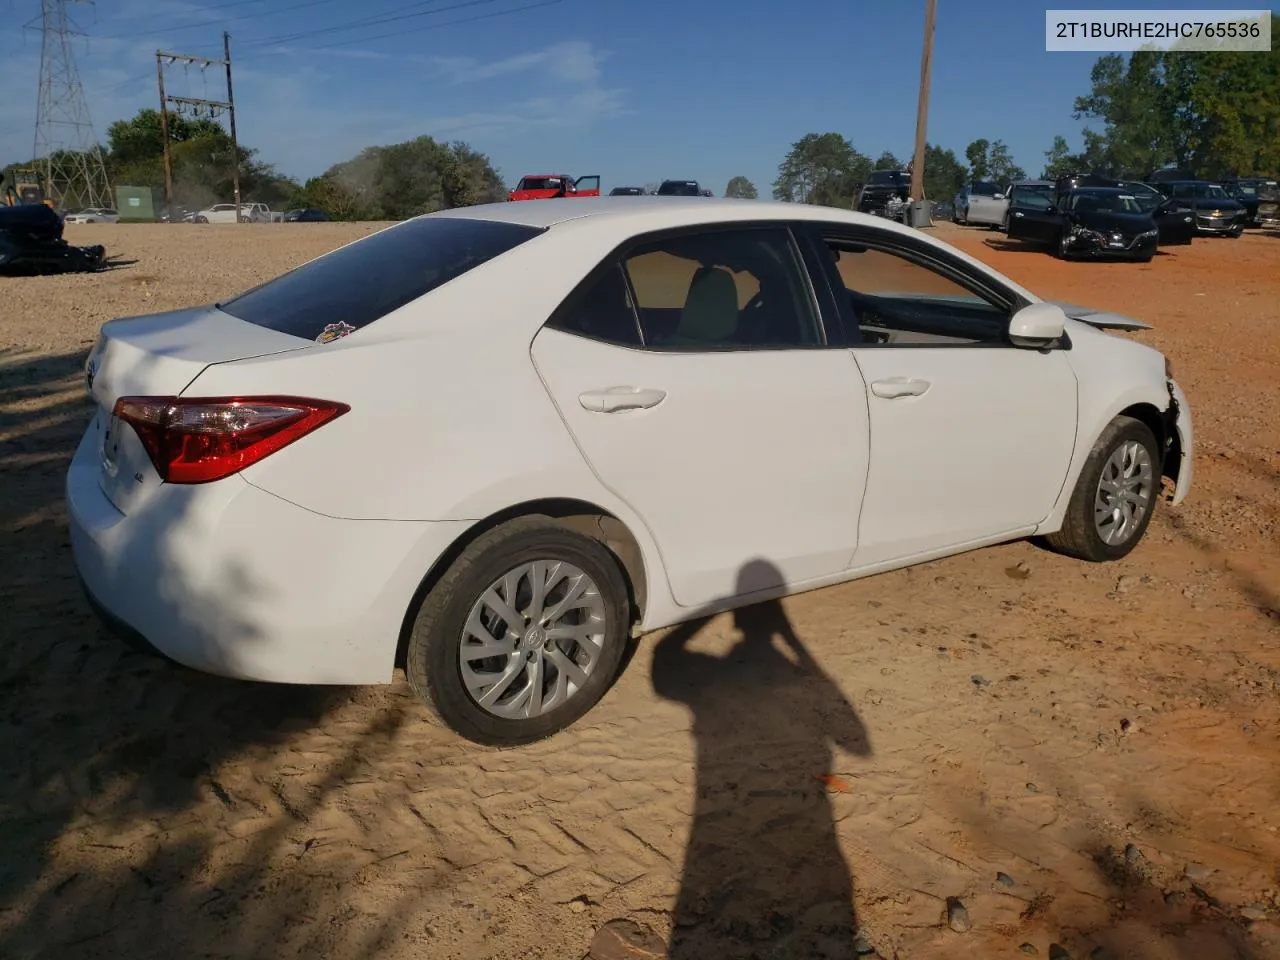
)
(1269, 204)
(882, 189)
(627, 192)
(1094, 222)
(1021, 189)
(981, 202)
(1251, 193)
(226, 213)
(1216, 213)
(230, 503)
(93, 215)
(1175, 220)
(679, 188)
(305, 215)
(549, 186)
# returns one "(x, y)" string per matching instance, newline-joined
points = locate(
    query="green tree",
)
(418, 176)
(991, 160)
(887, 161)
(822, 169)
(976, 153)
(741, 188)
(1143, 129)
(1058, 159)
(944, 174)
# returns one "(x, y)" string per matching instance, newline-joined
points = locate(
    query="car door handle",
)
(613, 399)
(896, 387)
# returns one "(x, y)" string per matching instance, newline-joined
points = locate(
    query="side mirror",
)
(1037, 325)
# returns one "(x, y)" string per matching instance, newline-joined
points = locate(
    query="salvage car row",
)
(1093, 216)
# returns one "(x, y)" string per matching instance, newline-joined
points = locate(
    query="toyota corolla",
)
(493, 444)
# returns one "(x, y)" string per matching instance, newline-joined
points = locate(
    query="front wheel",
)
(1115, 495)
(522, 635)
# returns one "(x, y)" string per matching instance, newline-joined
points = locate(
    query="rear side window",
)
(355, 285)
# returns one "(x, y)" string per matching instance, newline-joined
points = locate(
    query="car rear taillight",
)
(199, 439)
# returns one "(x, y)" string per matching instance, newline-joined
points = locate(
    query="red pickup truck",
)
(546, 186)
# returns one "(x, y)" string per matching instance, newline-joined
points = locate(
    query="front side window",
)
(723, 290)
(899, 299)
(1032, 199)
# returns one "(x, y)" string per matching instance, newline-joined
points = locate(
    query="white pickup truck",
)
(226, 213)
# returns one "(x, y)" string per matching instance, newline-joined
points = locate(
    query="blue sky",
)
(634, 91)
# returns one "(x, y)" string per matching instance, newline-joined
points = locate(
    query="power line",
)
(373, 21)
(197, 24)
(437, 26)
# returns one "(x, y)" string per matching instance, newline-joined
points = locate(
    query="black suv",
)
(882, 188)
(680, 188)
(1215, 211)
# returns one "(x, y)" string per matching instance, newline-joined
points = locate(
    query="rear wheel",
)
(522, 635)
(1063, 246)
(1115, 495)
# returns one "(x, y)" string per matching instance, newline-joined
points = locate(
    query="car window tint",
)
(601, 310)
(897, 299)
(356, 284)
(1032, 200)
(721, 290)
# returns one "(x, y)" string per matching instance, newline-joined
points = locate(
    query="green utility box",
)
(134, 205)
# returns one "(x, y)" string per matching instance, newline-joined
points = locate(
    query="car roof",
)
(1033, 183)
(1103, 190)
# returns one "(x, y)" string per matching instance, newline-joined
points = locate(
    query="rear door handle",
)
(896, 387)
(614, 399)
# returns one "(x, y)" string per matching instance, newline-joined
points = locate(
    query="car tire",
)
(1120, 451)
(499, 562)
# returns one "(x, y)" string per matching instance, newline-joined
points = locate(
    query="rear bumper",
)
(228, 579)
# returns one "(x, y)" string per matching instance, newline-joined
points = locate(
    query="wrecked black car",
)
(31, 243)
(1088, 222)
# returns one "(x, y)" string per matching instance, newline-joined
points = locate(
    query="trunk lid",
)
(159, 355)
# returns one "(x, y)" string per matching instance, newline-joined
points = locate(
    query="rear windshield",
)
(354, 285)
(679, 188)
(540, 183)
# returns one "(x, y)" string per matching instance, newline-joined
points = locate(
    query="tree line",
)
(390, 182)
(1211, 114)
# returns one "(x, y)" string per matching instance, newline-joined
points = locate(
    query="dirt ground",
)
(1081, 755)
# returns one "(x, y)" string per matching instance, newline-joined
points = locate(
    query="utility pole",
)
(197, 106)
(66, 150)
(231, 111)
(164, 137)
(922, 109)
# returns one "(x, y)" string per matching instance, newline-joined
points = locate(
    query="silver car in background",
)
(981, 202)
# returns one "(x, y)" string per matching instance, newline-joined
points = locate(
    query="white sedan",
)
(494, 443)
(92, 215)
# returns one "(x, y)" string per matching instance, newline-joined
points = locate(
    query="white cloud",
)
(571, 61)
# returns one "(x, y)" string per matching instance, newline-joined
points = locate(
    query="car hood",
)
(1126, 223)
(1102, 319)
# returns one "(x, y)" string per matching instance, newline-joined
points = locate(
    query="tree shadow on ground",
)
(763, 873)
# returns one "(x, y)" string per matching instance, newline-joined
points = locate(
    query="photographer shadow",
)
(763, 873)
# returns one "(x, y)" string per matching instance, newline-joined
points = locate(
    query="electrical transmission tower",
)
(66, 149)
